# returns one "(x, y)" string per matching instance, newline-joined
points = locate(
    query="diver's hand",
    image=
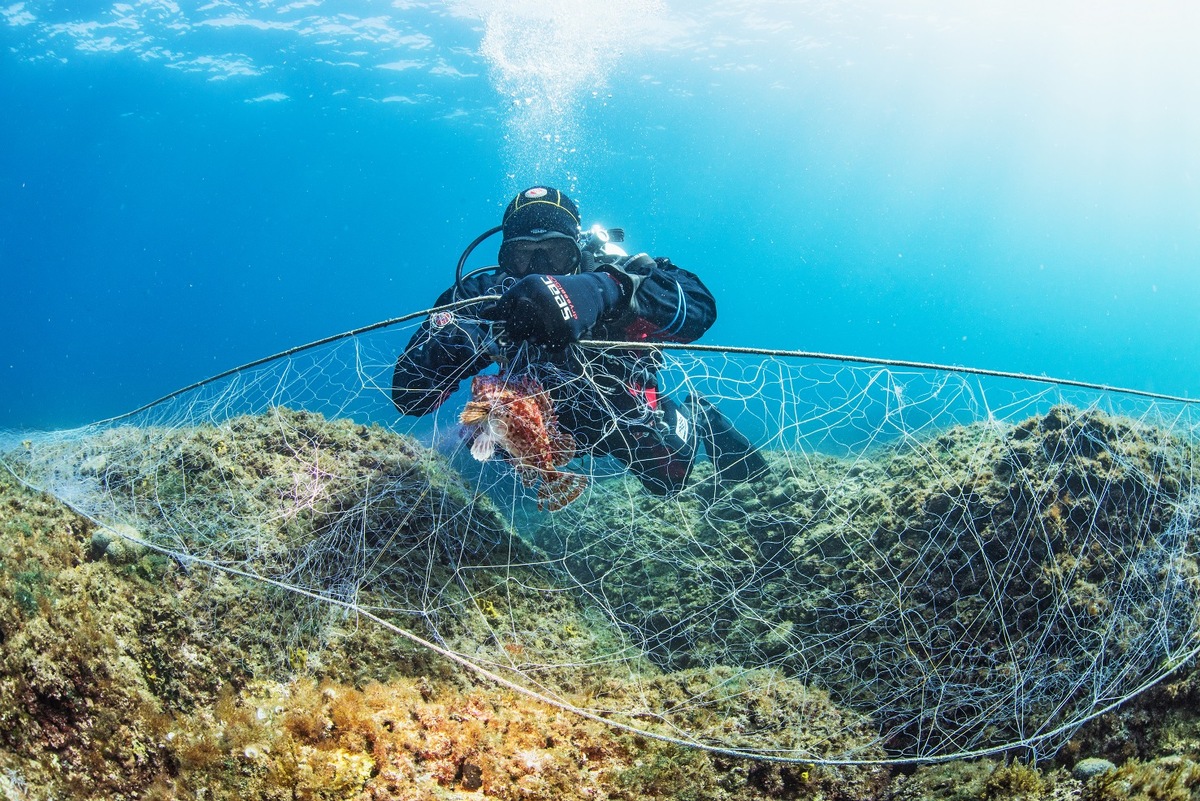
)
(555, 310)
(637, 264)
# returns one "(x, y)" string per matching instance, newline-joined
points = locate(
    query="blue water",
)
(994, 185)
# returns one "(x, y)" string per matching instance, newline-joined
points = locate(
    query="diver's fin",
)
(732, 455)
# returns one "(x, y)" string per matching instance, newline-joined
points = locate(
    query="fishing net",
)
(937, 563)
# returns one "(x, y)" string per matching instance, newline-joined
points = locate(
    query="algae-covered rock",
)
(959, 588)
(985, 780)
(177, 673)
(762, 619)
(120, 544)
(1091, 767)
(1171, 778)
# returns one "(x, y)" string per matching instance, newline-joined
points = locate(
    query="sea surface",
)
(189, 187)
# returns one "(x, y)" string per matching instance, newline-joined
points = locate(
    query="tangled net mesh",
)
(937, 564)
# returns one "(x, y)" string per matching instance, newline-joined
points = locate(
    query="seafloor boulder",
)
(187, 658)
(966, 590)
(194, 660)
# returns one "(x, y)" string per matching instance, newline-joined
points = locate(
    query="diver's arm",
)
(417, 388)
(665, 303)
(446, 349)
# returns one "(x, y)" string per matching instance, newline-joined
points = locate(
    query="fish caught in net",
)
(932, 563)
(517, 417)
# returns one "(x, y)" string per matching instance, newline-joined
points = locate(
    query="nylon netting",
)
(937, 564)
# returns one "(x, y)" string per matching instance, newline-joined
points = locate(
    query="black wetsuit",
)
(608, 399)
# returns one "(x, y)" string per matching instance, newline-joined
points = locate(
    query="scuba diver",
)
(557, 285)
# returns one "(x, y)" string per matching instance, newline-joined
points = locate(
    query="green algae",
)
(139, 675)
(1171, 778)
(904, 582)
(144, 676)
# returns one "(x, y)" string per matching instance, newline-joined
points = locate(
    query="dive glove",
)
(555, 310)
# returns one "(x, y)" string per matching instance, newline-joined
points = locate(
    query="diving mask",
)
(551, 255)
